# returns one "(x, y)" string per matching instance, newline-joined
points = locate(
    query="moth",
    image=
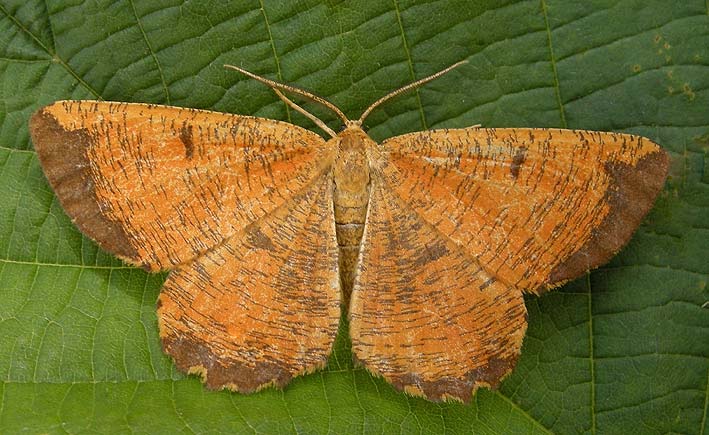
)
(429, 239)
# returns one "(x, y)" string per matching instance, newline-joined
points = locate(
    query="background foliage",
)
(624, 349)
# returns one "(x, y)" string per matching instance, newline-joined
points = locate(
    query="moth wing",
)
(424, 314)
(157, 186)
(536, 207)
(264, 306)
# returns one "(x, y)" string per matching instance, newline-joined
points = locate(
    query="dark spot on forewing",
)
(517, 161)
(186, 139)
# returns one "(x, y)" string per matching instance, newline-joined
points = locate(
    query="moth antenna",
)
(288, 88)
(309, 115)
(407, 88)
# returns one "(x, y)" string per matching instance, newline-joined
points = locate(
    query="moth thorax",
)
(351, 165)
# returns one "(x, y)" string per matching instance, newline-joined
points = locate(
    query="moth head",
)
(351, 166)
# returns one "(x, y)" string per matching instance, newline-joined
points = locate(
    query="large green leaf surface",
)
(624, 349)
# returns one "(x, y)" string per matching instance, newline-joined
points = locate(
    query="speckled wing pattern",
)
(158, 186)
(264, 306)
(462, 222)
(424, 314)
(459, 224)
(535, 207)
(239, 207)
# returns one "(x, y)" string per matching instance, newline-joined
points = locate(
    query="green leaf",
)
(622, 350)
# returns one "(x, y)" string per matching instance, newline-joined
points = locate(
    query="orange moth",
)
(430, 238)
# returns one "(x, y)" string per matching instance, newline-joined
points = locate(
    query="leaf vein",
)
(275, 53)
(703, 423)
(79, 266)
(555, 73)
(523, 412)
(151, 51)
(591, 353)
(410, 62)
